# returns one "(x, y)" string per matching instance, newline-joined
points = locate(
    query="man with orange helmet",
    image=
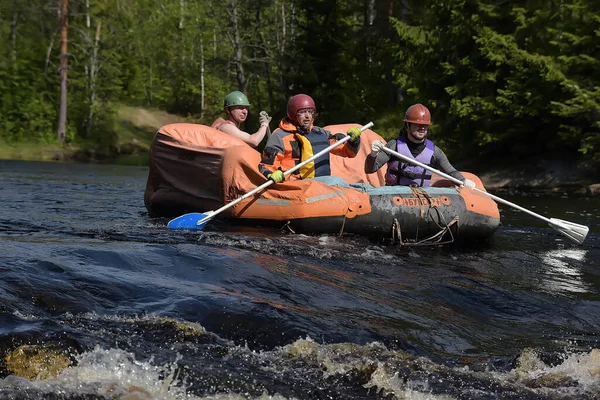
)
(412, 143)
(236, 107)
(297, 139)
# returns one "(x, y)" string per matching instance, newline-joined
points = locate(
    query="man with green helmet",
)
(236, 107)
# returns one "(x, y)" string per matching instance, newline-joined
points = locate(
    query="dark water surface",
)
(97, 300)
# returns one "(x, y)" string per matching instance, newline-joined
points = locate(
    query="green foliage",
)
(511, 78)
(496, 74)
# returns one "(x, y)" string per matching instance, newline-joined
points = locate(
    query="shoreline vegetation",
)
(136, 126)
(133, 132)
(512, 87)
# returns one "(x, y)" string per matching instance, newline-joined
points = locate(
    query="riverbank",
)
(135, 129)
(130, 144)
(136, 126)
(550, 173)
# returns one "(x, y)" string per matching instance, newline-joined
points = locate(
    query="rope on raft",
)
(436, 239)
(288, 226)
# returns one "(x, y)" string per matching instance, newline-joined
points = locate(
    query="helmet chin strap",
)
(303, 128)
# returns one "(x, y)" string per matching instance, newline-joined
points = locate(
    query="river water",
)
(100, 301)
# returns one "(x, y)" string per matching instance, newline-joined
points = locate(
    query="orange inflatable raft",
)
(195, 168)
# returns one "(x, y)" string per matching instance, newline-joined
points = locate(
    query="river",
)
(100, 301)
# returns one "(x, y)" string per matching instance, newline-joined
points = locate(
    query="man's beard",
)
(415, 138)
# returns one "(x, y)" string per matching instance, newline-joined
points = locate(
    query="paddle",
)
(197, 221)
(571, 230)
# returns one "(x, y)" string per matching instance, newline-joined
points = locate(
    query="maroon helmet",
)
(299, 102)
(418, 114)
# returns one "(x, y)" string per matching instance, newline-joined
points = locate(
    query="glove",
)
(468, 183)
(377, 146)
(264, 118)
(354, 134)
(276, 176)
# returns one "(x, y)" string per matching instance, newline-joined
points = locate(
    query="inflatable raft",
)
(195, 168)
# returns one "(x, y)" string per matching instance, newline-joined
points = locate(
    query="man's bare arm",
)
(253, 139)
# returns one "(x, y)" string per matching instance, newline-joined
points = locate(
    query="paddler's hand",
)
(468, 183)
(354, 134)
(377, 146)
(276, 176)
(264, 118)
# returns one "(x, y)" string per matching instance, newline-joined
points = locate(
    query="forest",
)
(503, 79)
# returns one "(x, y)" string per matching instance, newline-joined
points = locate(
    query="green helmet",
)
(235, 98)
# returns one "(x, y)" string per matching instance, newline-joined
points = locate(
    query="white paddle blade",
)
(571, 230)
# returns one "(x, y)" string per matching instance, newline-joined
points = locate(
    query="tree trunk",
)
(237, 45)
(369, 20)
(404, 13)
(283, 29)
(281, 51)
(49, 52)
(88, 22)
(62, 115)
(88, 25)
(93, 76)
(293, 23)
(267, 67)
(201, 78)
(149, 88)
(286, 46)
(399, 96)
(390, 15)
(13, 41)
(181, 8)
(214, 44)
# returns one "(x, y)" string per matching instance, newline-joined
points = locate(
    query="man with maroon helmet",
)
(297, 139)
(412, 143)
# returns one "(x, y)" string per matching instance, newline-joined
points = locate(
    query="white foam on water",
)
(343, 358)
(391, 383)
(581, 367)
(396, 373)
(117, 374)
(577, 375)
(376, 253)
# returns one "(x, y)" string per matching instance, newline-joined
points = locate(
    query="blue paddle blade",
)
(190, 222)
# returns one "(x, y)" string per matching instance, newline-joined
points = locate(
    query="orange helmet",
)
(299, 102)
(418, 114)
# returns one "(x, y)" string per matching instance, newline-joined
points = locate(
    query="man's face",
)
(305, 117)
(417, 132)
(238, 113)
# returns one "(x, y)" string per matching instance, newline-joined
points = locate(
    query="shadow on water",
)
(99, 301)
